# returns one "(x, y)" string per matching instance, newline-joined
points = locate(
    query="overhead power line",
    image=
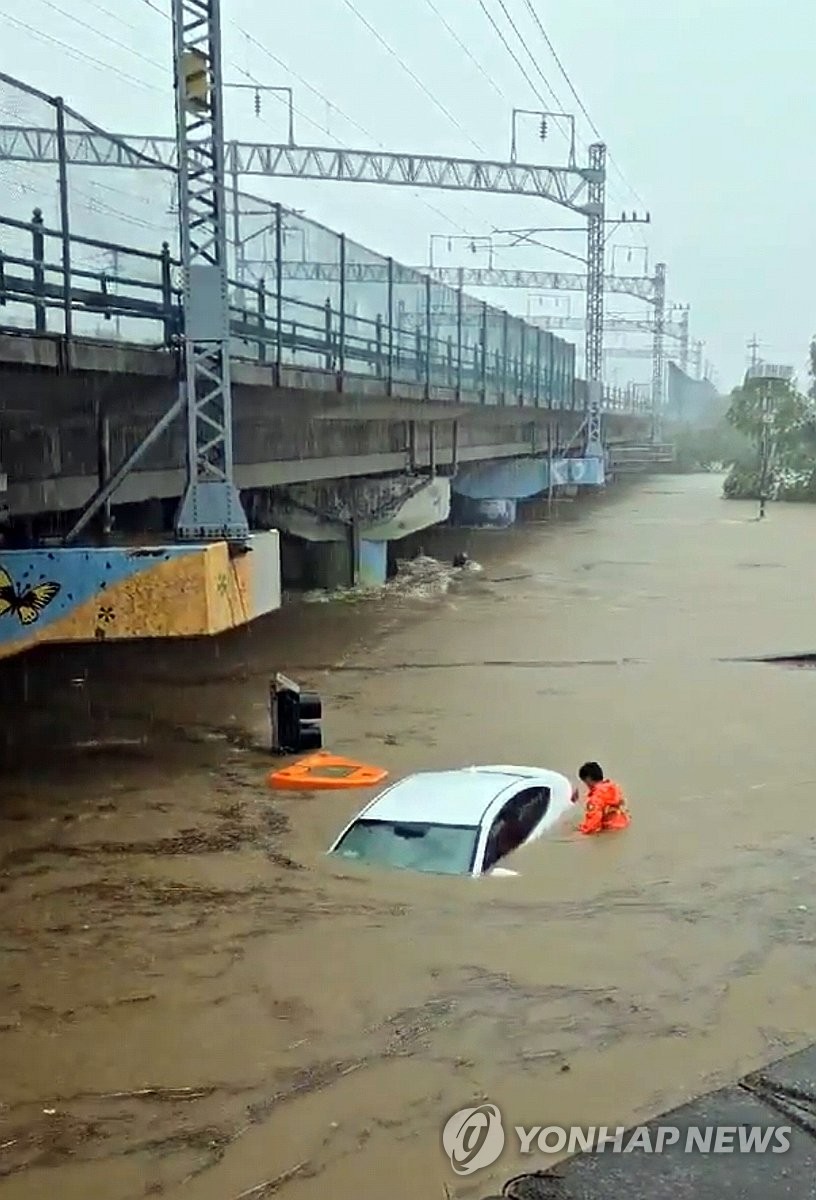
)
(463, 45)
(254, 41)
(74, 52)
(530, 54)
(442, 108)
(510, 50)
(577, 98)
(498, 31)
(107, 37)
(341, 112)
(562, 68)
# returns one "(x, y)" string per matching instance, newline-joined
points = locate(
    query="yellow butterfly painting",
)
(26, 604)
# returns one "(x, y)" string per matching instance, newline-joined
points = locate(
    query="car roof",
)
(458, 797)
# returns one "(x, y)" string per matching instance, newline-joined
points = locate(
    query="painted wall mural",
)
(90, 594)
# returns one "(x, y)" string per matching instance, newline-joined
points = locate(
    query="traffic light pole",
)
(211, 504)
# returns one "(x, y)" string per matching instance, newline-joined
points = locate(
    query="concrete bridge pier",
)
(338, 530)
(354, 562)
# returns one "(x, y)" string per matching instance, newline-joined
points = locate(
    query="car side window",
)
(532, 805)
(514, 823)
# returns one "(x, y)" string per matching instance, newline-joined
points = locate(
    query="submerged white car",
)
(460, 822)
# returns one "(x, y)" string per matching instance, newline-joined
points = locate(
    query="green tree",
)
(787, 412)
(792, 431)
(707, 447)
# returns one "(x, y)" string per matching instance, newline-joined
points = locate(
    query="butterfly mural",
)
(26, 603)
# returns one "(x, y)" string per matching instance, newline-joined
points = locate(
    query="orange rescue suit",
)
(605, 808)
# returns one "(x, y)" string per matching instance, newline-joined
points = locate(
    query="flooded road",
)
(197, 1005)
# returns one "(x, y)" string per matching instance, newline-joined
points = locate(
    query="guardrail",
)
(431, 336)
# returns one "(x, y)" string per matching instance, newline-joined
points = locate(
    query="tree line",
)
(731, 439)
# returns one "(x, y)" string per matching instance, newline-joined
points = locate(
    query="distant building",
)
(695, 401)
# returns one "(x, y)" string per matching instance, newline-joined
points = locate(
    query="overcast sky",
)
(707, 107)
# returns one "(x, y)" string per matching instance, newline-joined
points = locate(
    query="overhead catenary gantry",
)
(612, 324)
(639, 286)
(566, 186)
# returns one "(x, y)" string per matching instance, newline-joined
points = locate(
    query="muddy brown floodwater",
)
(197, 1005)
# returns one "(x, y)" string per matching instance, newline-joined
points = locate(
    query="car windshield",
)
(411, 846)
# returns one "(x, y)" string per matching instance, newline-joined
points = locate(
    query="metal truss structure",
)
(611, 325)
(639, 286)
(566, 186)
(658, 350)
(628, 352)
(211, 504)
(596, 242)
(552, 324)
(642, 287)
(684, 339)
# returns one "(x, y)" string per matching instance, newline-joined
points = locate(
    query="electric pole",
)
(766, 376)
(765, 448)
(211, 505)
(698, 359)
(657, 352)
(595, 296)
(753, 346)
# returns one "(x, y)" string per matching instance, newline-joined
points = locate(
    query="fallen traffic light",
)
(296, 717)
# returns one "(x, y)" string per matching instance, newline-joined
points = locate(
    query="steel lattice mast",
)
(658, 351)
(684, 340)
(596, 221)
(211, 505)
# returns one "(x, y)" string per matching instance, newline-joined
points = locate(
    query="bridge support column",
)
(353, 562)
(329, 565)
(370, 563)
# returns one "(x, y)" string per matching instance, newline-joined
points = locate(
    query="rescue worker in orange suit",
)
(605, 804)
